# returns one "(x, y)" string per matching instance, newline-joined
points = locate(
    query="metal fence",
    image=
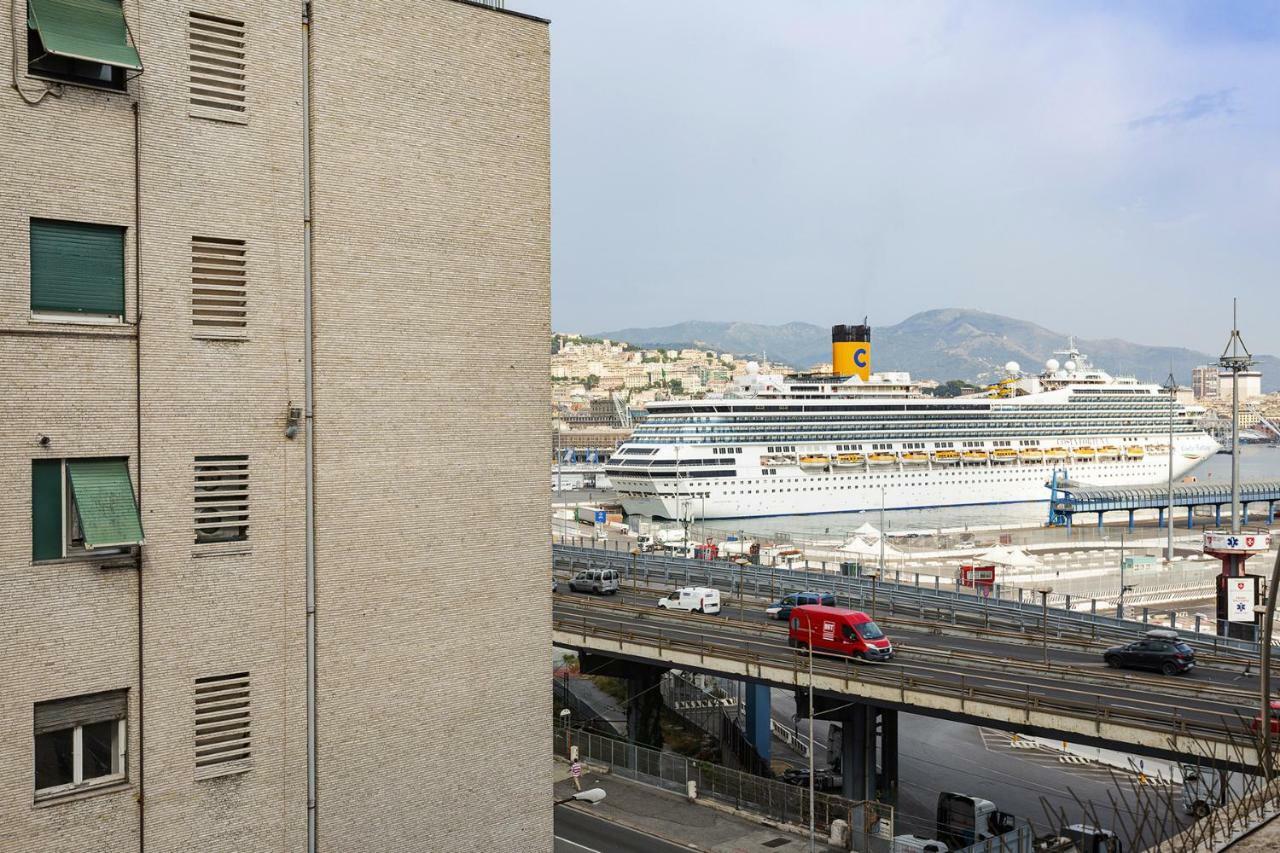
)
(871, 823)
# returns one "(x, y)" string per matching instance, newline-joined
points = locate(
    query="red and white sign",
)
(1245, 542)
(1240, 598)
(828, 630)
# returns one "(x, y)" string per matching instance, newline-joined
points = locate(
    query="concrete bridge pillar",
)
(759, 710)
(644, 695)
(1130, 521)
(1191, 522)
(644, 706)
(1217, 515)
(1271, 513)
(868, 756)
(1160, 518)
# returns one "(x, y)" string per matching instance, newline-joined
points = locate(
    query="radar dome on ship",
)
(1051, 365)
(1070, 365)
(753, 367)
(1012, 367)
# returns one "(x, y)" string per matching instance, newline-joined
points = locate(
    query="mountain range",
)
(942, 344)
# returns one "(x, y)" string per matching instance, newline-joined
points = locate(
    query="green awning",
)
(103, 495)
(89, 30)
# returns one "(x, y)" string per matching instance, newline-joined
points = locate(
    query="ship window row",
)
(696, 438)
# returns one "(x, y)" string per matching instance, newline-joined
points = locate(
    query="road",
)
(1209, 697)
(579, 832)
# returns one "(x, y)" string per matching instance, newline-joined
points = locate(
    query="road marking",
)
(576, 844)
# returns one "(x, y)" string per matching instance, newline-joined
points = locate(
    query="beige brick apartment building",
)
(155, 433)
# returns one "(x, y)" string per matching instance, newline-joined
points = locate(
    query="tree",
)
(591, 382)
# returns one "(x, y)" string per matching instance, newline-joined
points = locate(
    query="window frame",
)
(81, 318)
(71, 516)
(119, 763)
(120, 75)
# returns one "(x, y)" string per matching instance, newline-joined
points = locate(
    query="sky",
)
(1106, 169)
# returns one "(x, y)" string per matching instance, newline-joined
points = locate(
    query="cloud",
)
(1221, 102)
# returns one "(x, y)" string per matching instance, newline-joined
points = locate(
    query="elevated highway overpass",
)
(968, 662)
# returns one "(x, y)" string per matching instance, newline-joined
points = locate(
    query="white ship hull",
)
(796, 492)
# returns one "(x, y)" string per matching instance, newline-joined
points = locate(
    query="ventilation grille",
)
(217, 67)
(222, 743)
(219, 302)
(221, 498)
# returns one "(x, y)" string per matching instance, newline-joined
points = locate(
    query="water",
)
(1257, 462)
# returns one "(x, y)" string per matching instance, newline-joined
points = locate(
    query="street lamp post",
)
(812, 788)
(1173, 393)
(882, 528)
(874, 575)
(565, 713)
(1264, 721)
(1044, 620)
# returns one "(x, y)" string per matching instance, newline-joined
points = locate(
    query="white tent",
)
(862, 548)
(1012, 557)
(867, 531)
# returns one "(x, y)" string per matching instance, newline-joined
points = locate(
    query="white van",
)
(698, 598)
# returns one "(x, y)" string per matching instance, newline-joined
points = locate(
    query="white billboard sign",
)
(1240, 598)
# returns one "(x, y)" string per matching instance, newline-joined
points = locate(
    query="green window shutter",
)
(46, 509)
(103, 494)
(88, 30)
(77, 267)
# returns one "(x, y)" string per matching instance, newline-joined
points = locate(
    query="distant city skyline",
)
(1106, 169)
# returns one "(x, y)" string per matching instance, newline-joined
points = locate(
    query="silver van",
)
(599, 581)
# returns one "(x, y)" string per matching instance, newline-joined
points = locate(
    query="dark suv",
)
(780, 610)
(1159, 650)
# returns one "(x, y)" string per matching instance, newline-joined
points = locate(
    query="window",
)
(80, 742)
(82, 506)
(218, 296)
(216, 67)
(80, 41)
(77, 269)
(222, 709)
(221, 498)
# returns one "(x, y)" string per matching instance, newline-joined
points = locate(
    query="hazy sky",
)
(1102, 168)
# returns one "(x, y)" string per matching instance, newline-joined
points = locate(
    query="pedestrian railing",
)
(871, 822)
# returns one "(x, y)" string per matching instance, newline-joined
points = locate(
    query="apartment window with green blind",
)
(81, 41)
(77, 270)
(82, 507)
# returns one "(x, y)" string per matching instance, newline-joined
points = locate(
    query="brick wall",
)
(432, 309)
(432, 317)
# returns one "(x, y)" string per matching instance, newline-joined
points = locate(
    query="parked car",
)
(599, 581)
(781, 609)
(700, 599)
(1275, 718)
(839, 631)
(823, 778)
(1159, 650)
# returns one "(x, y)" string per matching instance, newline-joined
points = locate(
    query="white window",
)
(80, 742)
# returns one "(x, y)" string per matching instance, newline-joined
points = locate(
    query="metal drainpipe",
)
(309, 441)
(137, 373)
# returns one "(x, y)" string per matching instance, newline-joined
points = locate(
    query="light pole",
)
(874, 575)
(882, 531)
(741, 563)
(1268, 618)
(1173, 393)
(1235, 358)
(812, 787)
(1044, 620)
(565, 713)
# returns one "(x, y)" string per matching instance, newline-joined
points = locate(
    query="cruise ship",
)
(854, 440)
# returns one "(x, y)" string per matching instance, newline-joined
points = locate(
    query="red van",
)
(839, 631)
